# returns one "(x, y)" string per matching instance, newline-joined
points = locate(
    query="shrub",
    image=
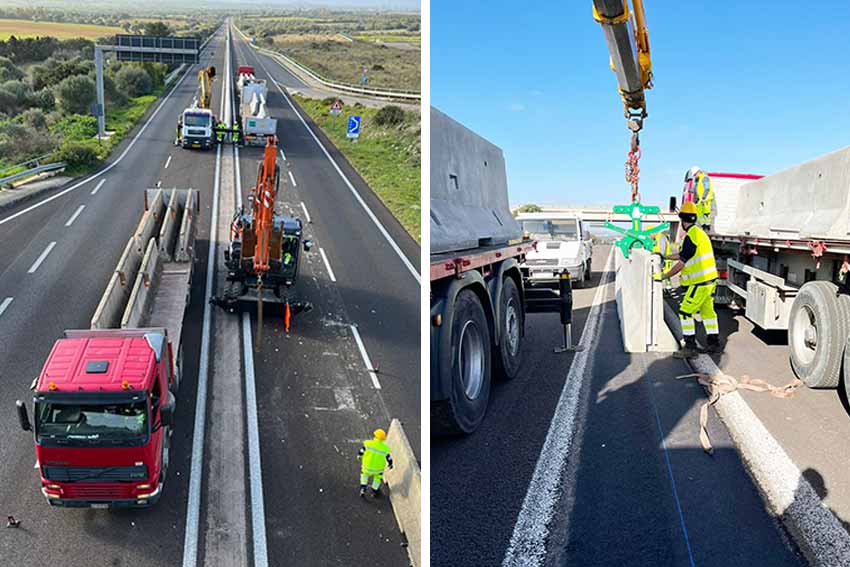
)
(8, 102)
(8, 70)
(34, 118)
(76, 127)
(76, 94)
(77, 155)
(42, 99)
(133, 81)
(389, 116)
(327, 101)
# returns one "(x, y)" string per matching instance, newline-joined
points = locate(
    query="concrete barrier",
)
(139, 302)
(183, 252)
(169, 226)
(403, 481)
(149, 225)
(640, 303)
(114, 298)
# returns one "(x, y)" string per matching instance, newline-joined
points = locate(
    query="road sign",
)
(336, 107)
(353, 127)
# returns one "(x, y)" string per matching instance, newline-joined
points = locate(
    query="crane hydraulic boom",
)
(205, 79)
(265, 192)
(628, 44)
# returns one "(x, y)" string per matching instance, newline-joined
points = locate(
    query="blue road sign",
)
(353, 127)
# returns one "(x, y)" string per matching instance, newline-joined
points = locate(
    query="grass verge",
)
(388, 157)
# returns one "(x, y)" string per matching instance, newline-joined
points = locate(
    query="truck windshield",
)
(551, 229)
(196, 120)
(91, 422)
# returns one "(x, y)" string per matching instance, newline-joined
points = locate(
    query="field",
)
(389, 37)
(26, 28)
(387, 157)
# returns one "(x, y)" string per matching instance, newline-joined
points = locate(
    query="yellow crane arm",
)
(205, 78)
(628, 43)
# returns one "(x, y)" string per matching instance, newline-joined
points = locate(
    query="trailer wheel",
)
(817, 331)
(845, 379)
(470, 368)
(510, 331)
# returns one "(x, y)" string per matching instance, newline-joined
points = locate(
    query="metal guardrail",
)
(315, 76)
(34, 160)
(32, 171)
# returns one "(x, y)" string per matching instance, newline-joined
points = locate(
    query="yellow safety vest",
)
(374, 457)
(701, 268)
(704, 198)
(656, 249)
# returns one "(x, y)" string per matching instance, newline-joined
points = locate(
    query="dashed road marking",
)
(306, 212)
(283, 155)
(167, 162)
(5, 304)
(98, 186)
(75, 215)
(291, 178)
(365, 355)
(41, 258)
(327, 265)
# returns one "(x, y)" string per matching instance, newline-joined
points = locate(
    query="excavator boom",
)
(265, 192)
(205, 79)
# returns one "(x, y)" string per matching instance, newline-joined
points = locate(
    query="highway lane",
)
(634, 486)
(63, 293)
(316, 400)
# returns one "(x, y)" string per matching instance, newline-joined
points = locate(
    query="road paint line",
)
(327, 265)
(306, 212)
(283, 155)
(527, 547)
(5, 304)
(98, 186)
(41, 258)
(75, 215)
(670, 475)
(291, 178)
(258, 514)
(167, 162)
(407, 263)
(193, 507)
(365, 355)
(108, 167)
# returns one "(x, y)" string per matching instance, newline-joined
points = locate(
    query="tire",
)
(845, 379)
(509, 359)
(817, 332)
(470, 366)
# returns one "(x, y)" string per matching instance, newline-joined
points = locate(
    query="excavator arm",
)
(628, 44)
(265, 192)
(205, 79)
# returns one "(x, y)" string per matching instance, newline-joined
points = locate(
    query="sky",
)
(745, 87)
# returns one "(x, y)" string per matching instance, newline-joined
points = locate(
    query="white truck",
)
(254, 119)
(563, 243)
(195, 128)
(783, 243)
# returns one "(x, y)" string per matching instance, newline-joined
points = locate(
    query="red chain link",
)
(633, 171)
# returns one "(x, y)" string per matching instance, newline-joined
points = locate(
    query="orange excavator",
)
(265, 248)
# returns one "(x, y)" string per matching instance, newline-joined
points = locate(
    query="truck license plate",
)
(100, 506)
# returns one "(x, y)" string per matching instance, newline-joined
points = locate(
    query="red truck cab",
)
(244, 70)
(103, 410)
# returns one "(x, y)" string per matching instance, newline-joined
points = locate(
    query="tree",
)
(42, 99)
(76, 94)
(8, 102)
(34, 118)
(134, 81)
(529, 208)
(157, 28)
(8, 70)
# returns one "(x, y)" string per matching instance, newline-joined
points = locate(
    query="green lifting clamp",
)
(636, 238)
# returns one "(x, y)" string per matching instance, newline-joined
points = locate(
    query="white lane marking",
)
(258, 514)
(365, 355)
(75, 215)
(5, 304)
(348, 184)
(291, 178)
(306, 212)
(41, 258)
(283, 155)
(193, 507)
(108, 167)
(98, 186)
(528, 542)
(327, 265)
(167, 162)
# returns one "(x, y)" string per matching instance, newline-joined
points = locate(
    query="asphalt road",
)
(634, 486)
(62, 292)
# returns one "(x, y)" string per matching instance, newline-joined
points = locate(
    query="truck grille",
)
(195, 132)
(97, 492)
(95, 474)
(553, 245)
(542, 262)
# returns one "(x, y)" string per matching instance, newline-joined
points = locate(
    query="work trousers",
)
(699, 299)
(377, 479)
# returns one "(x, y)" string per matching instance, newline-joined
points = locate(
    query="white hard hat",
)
(692, 172)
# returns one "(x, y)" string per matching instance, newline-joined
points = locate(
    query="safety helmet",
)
(688, 212)
(692, 173)
(380, 434)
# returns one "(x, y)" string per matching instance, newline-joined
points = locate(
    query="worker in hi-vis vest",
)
(663, 247)
(698, 276)
(698, 190)
(374, 457)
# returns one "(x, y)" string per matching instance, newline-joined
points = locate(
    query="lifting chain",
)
(632, 169)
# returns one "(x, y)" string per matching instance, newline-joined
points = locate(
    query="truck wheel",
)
(817, 331)
(470, 369)
(845, 379)
(510, 332)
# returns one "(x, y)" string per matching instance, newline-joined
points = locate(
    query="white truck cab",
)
(196, 128)
(562, 244)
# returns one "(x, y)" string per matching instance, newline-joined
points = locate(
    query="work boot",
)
(362, 492)
(688, 351)
(376, 492)
(714, 346)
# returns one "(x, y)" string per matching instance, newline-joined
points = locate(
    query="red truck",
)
(104, 403)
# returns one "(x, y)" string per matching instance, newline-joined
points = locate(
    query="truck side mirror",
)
(308, 244)
(672, 204)
(23, 417)
(166, 412)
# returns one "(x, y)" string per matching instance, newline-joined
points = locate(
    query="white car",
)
(562, 244)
